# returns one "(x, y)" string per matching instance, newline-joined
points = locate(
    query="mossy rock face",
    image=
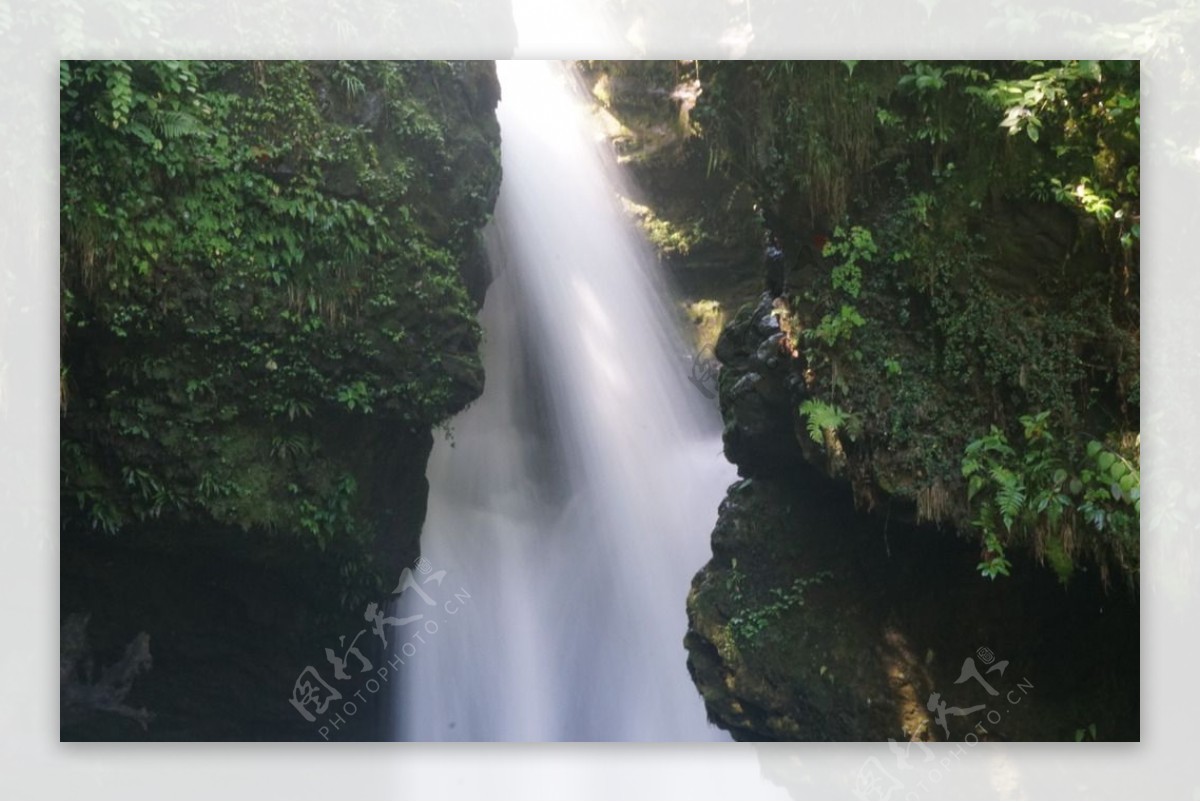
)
(247, 292)
(797, 674)
(814, 622)
(931, 280)
(700, 224)
(759, 391)
(975, 297)
(271, 273)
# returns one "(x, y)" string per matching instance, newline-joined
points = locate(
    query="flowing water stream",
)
(575, 500)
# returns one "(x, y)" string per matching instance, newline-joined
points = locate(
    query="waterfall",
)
(574, 500)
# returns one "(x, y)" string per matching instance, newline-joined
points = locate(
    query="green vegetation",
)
(853, 247)
(1045, 495)
(962, 241)
(824, 420)
(262, 271)
(751, 621)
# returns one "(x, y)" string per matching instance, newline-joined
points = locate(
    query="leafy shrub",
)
(1040, 492)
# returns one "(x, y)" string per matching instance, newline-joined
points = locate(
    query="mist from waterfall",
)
(574, 502)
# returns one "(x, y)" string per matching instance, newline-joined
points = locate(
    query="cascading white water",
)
(577, 498)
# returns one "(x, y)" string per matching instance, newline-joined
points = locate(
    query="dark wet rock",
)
(745, 384)
(767, 325)
(237, 610)
(757, 392)
(769, 351)
(815, 620)
(883, 615)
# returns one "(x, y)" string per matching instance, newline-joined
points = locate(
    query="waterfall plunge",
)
(576, 501)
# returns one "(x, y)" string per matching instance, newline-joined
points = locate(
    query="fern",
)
(822, 417)
(1041, 490)
(174, 124)
(142, 132)
(1010, 498)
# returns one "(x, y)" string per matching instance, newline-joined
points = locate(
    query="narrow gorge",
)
(617, 401)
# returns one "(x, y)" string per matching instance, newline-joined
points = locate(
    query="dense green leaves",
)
(255, 255)
(976, 223)
(1046, 494)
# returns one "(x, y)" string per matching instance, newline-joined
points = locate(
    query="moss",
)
(294, 256)
(937, 277)
(984, 298)
(271, 272)
(893, 624)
